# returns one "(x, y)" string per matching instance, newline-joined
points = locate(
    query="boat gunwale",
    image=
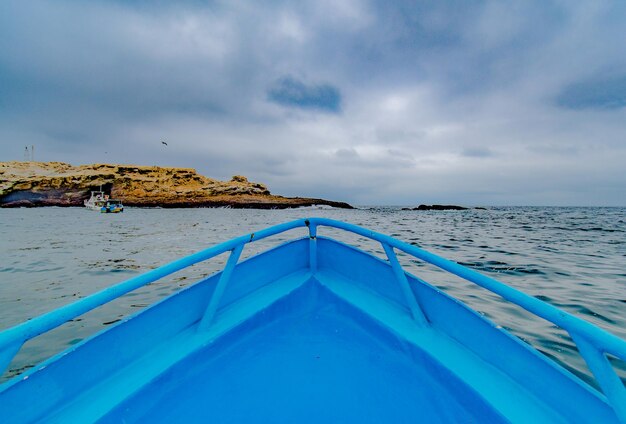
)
(593, 342)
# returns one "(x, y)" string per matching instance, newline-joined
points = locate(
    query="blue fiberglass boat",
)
(313, 330)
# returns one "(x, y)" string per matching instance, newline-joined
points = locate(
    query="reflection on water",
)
(572, 258)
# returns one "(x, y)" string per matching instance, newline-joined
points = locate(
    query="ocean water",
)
(573, 258)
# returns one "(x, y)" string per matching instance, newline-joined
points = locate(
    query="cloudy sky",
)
(371, 102)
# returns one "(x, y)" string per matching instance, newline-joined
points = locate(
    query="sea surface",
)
(573, 258)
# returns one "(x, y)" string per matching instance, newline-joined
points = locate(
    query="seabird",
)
(163, 142)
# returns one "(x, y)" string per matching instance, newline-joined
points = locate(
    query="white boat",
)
(96, 201)
(99, 201)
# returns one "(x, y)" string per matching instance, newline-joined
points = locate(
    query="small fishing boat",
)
(112, 206)
(100, 201)
(313, 330)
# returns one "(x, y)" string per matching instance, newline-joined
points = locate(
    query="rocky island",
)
(26, 184)
(438, 208)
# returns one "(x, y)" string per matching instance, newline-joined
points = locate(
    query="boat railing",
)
(592, 342)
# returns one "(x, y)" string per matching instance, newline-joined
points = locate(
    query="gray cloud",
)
(347, 154)
(477, 102)
(477, 152)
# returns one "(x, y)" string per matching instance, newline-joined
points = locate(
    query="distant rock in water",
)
(61, 184)
(439, 208)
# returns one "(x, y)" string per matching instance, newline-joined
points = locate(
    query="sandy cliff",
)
(61, 184)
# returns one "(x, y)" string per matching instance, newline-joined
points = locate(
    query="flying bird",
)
(163, 142)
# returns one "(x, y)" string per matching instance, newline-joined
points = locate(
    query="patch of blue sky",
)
(291, 92)
(606, 93)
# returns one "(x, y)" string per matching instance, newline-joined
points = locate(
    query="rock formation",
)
(437, 208)
(61, 184)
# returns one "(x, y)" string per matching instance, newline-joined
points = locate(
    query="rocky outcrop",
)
(61, 184)
(439, 208)
(436, 208)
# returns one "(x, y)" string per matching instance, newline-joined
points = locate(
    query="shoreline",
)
(187, 205)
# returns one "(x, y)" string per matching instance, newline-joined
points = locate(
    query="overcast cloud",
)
(371, 102)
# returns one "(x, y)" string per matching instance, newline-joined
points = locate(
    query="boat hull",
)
(111, 210)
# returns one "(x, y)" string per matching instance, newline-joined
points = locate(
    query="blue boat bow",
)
(420, 340)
